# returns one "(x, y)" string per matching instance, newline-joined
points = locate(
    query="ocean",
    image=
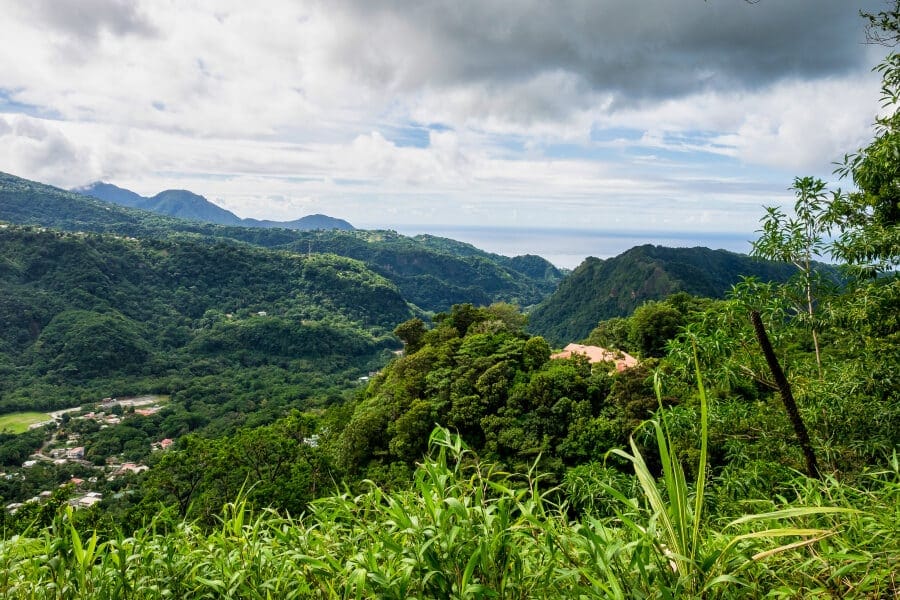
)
(567, 248)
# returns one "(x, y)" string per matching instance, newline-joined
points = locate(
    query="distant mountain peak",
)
(186, 204)
(113, 193)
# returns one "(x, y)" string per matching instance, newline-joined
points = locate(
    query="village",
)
(65, 446)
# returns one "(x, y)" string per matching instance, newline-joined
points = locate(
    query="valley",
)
(450, 300)
(397, 392)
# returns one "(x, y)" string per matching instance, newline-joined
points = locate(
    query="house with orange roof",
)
(596, 354)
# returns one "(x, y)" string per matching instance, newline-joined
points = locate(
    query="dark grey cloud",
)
(84, 20)
(641, 50)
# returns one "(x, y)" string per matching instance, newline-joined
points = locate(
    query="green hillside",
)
(432, 273)
(602, 289)
(79, 308)
(435, 273)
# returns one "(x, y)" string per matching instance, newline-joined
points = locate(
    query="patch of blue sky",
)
(613, 134)
(509, 146)
(294, 178)
(345, 181)
(581, 151)
(766, 175)
(681, 154)
(700, 143)
(755, 176)
(696, 136)
(413, 136)
(10, 105)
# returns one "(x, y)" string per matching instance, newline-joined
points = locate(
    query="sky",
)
(647, 115)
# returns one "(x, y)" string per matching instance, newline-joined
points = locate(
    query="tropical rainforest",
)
(352, 414)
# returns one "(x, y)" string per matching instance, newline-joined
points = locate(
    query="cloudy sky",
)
(659, 115)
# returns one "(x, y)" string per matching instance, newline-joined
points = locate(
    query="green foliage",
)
(411, 333)
(86, 313)
(675, 522)
(498, 388)
(276, 466)
(603, 289)
(612, 333)
(868, 218)
(465, 529)
(16, 447)
(797, 241)
(79, 344)
(651, 326)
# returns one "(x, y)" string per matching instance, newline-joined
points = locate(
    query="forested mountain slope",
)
(433, 273)
(601, 289)
(76, 307)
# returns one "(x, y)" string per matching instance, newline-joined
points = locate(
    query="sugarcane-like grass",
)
(465, 529)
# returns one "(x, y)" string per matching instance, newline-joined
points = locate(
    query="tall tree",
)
(798, 240)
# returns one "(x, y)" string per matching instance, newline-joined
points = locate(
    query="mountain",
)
(601, 289)
(436, 273)
(431, 272)
(188, 205)
(307, 223)
(76, 308)
(174, 203)
(114, 194)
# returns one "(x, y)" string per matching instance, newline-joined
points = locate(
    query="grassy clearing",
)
(20, 422)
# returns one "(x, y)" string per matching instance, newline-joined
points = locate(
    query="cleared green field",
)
(19, 422)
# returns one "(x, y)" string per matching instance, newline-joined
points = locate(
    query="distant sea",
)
(567, 248)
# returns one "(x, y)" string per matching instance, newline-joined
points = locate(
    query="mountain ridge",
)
(433, 274)
(185, 204)
(601, 289)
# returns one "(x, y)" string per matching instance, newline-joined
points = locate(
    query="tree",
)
(797, 241)
(651, 326)
(505, 316)
(461, 316)
(611, 333)
(787, 396)
(868, 219)
(178, 474)
(535, 353)
(411, 333)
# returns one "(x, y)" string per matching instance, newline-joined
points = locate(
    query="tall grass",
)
(465, 529)
(689, 555)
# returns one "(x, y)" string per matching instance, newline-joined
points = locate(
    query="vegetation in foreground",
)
(706, 498)
(465, 529)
